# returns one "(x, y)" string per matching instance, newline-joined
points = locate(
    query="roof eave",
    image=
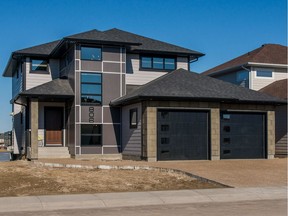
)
(8, 71)
(101, 41)
(190, 54)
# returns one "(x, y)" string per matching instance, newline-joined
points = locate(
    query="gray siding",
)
(17, 83)
(18, 128)
(281, 131)
(131, 137)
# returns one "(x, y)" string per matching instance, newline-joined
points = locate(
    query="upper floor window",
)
(91, 53)
(91, 88)
(264, 73)
(39, 65)
(242, 78)
(158, 63)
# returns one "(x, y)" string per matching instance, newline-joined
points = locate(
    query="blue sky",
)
(222, 29)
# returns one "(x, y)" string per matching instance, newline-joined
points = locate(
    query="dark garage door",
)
(182, 135)
(242, 135)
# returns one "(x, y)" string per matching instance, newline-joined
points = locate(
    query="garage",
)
(182, 135)
(242, 135)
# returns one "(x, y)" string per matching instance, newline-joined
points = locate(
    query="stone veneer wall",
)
(149, 127)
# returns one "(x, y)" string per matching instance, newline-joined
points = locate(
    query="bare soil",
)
(21, 178)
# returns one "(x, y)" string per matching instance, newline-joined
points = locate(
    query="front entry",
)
(53, 126)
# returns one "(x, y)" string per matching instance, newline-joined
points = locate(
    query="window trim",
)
(95, 83)
(87, 46)
(264, 69)
(39, 71)
(101, 135)
(131, 125)
(152, 62)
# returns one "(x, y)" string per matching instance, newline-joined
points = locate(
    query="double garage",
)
(185, 135)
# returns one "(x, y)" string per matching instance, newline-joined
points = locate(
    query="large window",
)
(91, 134)
(264, 73)
(158, 63)
(91, 53)
(39, 65)
(91, 88)
(242, 78)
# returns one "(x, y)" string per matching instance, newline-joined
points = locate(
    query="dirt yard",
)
(21, 178)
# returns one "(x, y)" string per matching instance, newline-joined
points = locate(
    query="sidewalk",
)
(110, 200)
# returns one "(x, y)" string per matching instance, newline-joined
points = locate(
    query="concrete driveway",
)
(235, 173)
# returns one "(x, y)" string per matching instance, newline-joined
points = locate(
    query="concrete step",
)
(53, 152)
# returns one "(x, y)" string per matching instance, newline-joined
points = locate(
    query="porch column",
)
(34, 128)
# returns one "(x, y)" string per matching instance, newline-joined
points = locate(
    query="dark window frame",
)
(39, 71)
(91, 83)
(133, 125)
(152, 68)
(93, 135)
(96, 47)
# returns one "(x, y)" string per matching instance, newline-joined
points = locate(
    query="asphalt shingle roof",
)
(276, 89)
(56, 88)
(184, 85)
(267, 53)
(43, 49)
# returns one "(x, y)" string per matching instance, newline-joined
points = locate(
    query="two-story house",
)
(117, 94)
(257, 69)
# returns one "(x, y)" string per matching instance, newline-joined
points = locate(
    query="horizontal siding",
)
(281, 147)
(17, 83)
(259, 83)
(134, 76)
(131, 138)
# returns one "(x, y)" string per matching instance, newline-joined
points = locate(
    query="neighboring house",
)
(1, 140)
(101, 94)
(279, 89)
(256, 70)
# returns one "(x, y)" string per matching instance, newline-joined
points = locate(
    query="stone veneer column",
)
(151, 130)
(34, 128)
(215, 133)
(270, 134)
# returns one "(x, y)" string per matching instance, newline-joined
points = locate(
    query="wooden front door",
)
(53, 126)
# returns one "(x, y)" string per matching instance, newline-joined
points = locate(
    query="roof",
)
(135, 43)
(56, 88)
(266, 54)
(149, 44)
(276, 89)
(185, 85)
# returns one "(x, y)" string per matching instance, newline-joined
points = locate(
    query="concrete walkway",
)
(110, 200)
(235, 173)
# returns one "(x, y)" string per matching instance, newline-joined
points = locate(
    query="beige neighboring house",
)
(1, 140)
(264, 69)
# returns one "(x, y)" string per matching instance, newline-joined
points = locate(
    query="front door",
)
(53, 126)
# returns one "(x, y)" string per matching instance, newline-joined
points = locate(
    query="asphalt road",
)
(255, 208)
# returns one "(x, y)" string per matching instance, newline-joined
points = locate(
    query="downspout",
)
(249, 72)
(191, 61)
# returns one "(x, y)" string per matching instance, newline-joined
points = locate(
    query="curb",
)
(115, 167)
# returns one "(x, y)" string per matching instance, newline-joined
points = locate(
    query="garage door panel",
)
(186, 132)
(242, 135)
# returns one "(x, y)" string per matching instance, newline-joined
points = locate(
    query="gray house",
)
(103, 94)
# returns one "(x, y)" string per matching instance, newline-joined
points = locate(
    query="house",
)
(1, 140)
(113, 94)
(256, 70)
(279, 89)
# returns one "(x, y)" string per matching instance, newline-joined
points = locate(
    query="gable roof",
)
(267, 54)
(276, 89)
(184, 85)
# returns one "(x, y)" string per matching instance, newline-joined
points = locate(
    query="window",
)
(91, 88)
(242, 78)
(158, 63)
(91, 53)
(39, 65)
(264, 73)
(91, 134)
(133, 118)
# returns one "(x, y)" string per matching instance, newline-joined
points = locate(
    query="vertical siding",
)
(17, 83)
(258, 83)
(134, 76)
(131, 138)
